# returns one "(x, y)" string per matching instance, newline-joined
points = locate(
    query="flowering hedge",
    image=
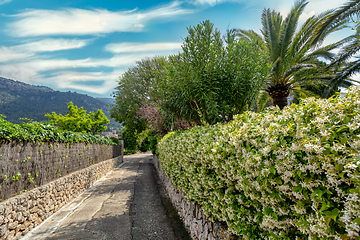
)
(280, 174)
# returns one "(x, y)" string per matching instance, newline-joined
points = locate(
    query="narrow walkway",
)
(127, 205)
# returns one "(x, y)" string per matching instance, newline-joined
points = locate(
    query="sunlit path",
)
(127, 204)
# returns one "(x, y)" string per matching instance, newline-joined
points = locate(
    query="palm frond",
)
(349, 50)
(271, 22)
(289, 25)
(251, 36)
(344, 12)
(348, 70)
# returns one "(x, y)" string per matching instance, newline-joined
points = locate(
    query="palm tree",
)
(295, 55)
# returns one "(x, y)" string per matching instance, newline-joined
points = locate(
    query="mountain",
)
(21, 100)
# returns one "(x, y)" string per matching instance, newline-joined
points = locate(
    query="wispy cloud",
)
(141, 47)
(246, 2)
(87, 22)
(50, 45)
(208, 2)
(55, 64)
(66, 73)
(28, 50)
(80, 80)
(4, 1)
(8, 54)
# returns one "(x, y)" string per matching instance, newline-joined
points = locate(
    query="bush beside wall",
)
(195, 220)
(290, 174)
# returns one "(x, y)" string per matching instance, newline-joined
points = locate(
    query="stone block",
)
(10, 235)
(13, 225)
(3, 229)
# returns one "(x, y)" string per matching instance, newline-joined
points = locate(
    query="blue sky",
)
(84, 46)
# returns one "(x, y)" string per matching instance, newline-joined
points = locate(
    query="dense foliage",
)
(279, 174)
(135, 88)
(41, 132)
(133, 96)
(77, 120)
(214, 77)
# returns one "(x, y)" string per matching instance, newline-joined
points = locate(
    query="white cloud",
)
(84, 22)
(28, 50)
(31, 69)
(4, 1)
(54, 64)
(210, 2)
(306, 15)
(50, 45)
(78, 80)
(249, 3)
(8, 54)
(18, 72)
(141, 47)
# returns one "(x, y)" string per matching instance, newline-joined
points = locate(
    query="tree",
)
(214, 77)
(77, 120)
(135, 88)
(296, 57)
(137, 102)
(135, 91)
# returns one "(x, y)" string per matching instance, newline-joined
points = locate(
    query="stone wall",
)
(196, 222)
(19, 214)
(24, 166)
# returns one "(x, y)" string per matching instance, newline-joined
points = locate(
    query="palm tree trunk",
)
(280, 101)
(279, 94)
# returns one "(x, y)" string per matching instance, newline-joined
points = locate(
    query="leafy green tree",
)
(135, 88)
(295, 55)
(214, 77)
(133, 126)
(77, 120)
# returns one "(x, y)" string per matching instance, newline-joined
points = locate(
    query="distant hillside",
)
(21, 100)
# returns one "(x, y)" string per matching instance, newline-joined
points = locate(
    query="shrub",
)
(115, 141)
(41, 132)
(280, 174)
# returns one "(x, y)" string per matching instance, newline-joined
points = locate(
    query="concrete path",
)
(128, 204)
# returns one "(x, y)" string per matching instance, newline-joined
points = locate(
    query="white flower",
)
(351, 166)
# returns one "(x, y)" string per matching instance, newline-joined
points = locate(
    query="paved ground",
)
(129, 204)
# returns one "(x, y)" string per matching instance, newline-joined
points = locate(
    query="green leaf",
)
(268, 210)
(342, 129)
(332, 214)
(343, 140)
(339, 167)
(354, 190)
(357, 220)
(307, 179)
(303, 223)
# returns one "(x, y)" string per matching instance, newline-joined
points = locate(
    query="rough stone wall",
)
(19, 214)
(196, 222)
(24, 166)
